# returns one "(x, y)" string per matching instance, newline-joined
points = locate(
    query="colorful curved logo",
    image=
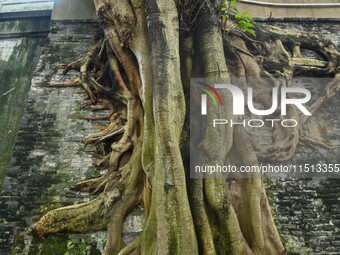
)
(213, 94)
(211, 91)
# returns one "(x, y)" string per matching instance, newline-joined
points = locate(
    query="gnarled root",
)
(82, 218)
(283, 59)
(90, 69)
(145, 163)
(115, 203)
(70, 83)
(120, 188)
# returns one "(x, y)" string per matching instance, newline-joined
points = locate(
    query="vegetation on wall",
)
(138, 72)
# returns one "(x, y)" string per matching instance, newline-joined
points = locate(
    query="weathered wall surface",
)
(284, 12)
(48, 153)
(49, 156)
(18, 57)
(25, 5)
(73, 10)
(307, 211)
(28, 27)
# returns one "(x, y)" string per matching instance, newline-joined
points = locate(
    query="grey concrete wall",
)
(307, 211)
(264, 12)
(24, 27)
(84, 9)
(48, 153)
(18, 56)
(25, 5)
(73, 10)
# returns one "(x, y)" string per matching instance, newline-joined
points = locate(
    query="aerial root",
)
(112, 134)
(117, 171)
(72, 66)
(112, 130)
(130, 132)
(93, 118)
(280, 150)
(284, 60)
(98, 185)
(127, 132)
(118, 149)
(331, 89)
(114, 238)
(112, 115)
(92, 186)
(86, 85)
(104, 161)
(115, 69)
(314, 143)
(132, 197)
(130, 248)
(81, 218)
(278, 153)
(88, 66)
(76, 82)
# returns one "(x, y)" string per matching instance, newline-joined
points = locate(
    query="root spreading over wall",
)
(138, 71)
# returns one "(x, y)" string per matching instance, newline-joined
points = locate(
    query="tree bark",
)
(152, 48)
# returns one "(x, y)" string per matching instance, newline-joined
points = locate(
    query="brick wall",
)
(49, 155)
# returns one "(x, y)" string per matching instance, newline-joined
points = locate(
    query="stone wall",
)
(293, 12)
(48, 153)
(25, 5)
(49, 156)
(21, 42)
(74, 10)
(307, 211)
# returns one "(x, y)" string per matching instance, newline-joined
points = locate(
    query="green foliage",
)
(101, 148)
(244, 20)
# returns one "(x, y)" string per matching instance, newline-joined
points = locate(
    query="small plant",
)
(101, 148)
(244, 20)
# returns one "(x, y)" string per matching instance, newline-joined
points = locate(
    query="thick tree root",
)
(76, 82)
(143, 146)
(92, 186)
(131, 248)
(283, 59)
(82, 218)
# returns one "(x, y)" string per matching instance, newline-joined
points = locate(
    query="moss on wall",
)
(18, 58)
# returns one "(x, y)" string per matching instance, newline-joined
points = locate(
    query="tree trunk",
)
(141, 73)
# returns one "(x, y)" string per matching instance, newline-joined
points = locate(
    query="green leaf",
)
(251, 31)
(244, 20)
(234, 9)
(245, 23)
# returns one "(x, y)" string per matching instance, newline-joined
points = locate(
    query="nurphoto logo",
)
(281, 99)
(239, 99)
